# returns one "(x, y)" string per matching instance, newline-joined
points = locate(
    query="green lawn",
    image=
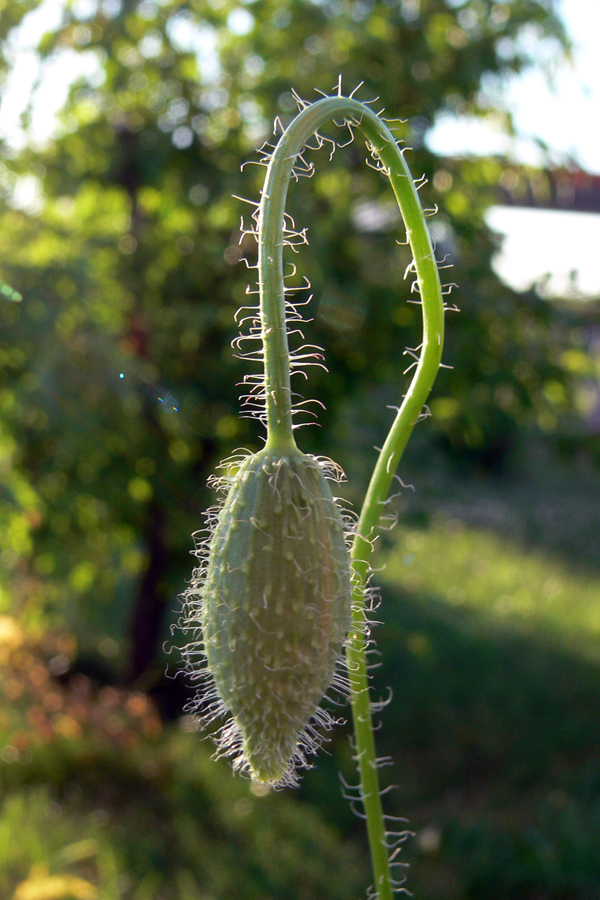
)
(491, 644)
(490, 599)
(510, 586)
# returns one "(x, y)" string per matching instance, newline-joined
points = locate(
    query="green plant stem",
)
(278, 396)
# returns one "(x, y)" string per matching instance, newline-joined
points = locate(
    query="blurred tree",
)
(118, 384)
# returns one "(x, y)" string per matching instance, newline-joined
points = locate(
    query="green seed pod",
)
(275, 610)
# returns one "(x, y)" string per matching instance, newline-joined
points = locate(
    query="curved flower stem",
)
(278, 395)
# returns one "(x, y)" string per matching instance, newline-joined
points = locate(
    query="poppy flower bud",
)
(276, 607)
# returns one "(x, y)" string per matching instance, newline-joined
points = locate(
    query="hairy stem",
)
(278, 396)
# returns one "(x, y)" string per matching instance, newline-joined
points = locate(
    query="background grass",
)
(491, 593)
(491, 645)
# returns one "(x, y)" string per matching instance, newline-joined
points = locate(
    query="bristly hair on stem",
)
(254, 586)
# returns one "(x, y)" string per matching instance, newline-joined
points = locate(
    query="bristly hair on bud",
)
(271, 602)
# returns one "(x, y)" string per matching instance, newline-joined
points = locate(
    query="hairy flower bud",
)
(275, 609)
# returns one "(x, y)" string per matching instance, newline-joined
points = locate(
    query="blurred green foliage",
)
(118, 384)
(493, 657)
(100, 802)
(118, 396)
